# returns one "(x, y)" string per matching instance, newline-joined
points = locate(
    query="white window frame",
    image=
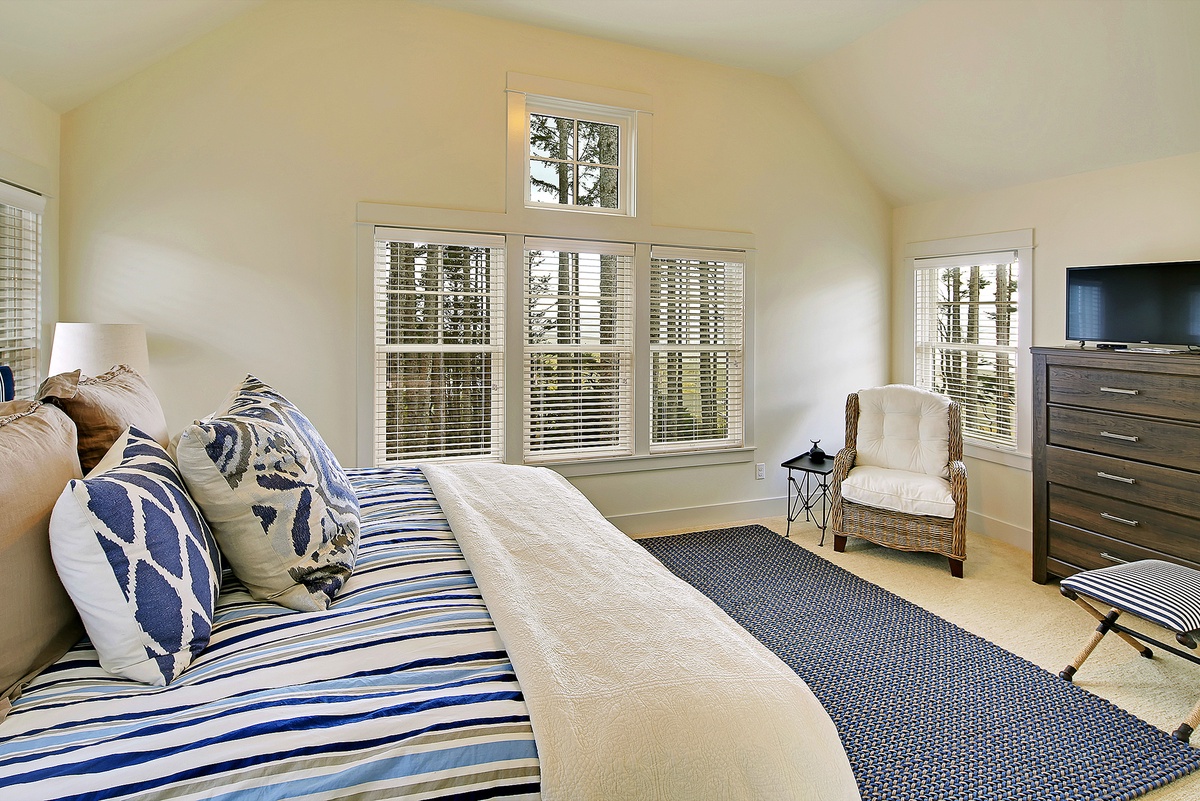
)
(621, 350)
(494, 347)
(962, 250)
(21, 321)
(730, 344)
(625, 121)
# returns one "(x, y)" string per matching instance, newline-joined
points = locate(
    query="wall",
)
(29, 157)
(1140, 212)
(212, 198)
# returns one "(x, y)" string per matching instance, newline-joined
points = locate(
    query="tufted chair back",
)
(902, 427)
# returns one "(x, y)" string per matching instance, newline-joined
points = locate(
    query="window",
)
(578, 349)
(20, 279)
(439, 355)
(555, 331)
(578, 156)
(966, 339)
(696, 349)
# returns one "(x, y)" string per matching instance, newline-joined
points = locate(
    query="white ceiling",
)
(777, 37)
(64, 52)
(934, 98)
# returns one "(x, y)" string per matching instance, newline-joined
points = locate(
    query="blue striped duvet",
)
(402, 689)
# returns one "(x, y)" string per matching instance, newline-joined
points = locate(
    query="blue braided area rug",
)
(925, 710)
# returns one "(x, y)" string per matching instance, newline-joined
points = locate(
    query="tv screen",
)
(1152, 303)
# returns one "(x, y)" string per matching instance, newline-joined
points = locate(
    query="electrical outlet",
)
(760, 471)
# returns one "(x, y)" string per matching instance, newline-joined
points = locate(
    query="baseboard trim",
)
(1000, 530)
(639, 524)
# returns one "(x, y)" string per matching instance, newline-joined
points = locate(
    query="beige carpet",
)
(997, 600)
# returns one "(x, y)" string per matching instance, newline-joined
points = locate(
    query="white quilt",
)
(638, 686)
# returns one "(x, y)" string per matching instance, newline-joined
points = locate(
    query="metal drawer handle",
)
(1112, 558)
(1125, 437)
(1122, 479)
(1119, 391)
(1116, 519)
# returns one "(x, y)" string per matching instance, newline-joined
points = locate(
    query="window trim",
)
(1021, 241)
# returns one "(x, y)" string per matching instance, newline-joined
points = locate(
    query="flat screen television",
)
(1135, 303)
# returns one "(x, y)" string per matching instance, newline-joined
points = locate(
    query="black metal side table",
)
(813, 487)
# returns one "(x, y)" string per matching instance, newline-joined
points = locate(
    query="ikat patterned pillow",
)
(138, 560)
(280, 505)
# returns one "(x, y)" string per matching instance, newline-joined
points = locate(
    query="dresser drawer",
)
(1143, 484)
(1156, 394)
(1137, 525)
(1141, 438)
(1079, 549)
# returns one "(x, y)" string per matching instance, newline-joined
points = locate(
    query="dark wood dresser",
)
(1116, 459)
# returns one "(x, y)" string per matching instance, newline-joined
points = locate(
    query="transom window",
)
(966, 339)
(579, 156)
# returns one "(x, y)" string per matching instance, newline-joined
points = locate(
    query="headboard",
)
(7, 389)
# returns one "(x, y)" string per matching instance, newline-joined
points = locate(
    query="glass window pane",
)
(599, 143)
(597, 187)
(551, 182)
(551, 137)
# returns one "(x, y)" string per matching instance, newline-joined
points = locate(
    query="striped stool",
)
(1160, 592)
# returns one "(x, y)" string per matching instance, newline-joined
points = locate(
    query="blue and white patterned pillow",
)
(138, 560)
(280, 505)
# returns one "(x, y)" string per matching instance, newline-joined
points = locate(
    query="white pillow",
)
(138, 561)
(279, 503)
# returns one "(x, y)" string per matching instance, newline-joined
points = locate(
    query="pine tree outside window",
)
(966, 339)
(20, 284)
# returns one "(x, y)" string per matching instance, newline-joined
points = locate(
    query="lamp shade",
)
(94, 348)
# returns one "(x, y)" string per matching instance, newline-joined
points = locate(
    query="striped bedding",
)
(402, 689)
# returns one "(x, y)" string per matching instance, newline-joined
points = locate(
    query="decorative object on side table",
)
(815, 453)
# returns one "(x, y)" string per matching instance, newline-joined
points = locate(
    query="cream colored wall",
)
(29, 157)
(212, 197)
(1140, 212)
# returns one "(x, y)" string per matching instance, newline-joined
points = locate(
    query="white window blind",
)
(966, 339)
(696, 343)
(578, 349)
(439, 345)
(20, 284)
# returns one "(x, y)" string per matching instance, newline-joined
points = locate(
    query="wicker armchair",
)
(910, 488)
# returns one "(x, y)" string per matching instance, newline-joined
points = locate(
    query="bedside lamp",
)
(94, 348)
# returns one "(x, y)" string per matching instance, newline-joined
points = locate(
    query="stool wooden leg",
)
(1096, 613)
(839, 543)
(1184, 732)
(956, 567)
(1069, 671)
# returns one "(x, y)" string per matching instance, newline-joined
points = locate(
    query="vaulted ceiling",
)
(934, 98)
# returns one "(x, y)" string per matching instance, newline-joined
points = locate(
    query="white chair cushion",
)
(902, 427)
(900, 491)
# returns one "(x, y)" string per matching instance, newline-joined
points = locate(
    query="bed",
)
(496, 639)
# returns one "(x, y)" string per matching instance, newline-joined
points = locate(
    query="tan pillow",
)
(103, 407)
(38, 623)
